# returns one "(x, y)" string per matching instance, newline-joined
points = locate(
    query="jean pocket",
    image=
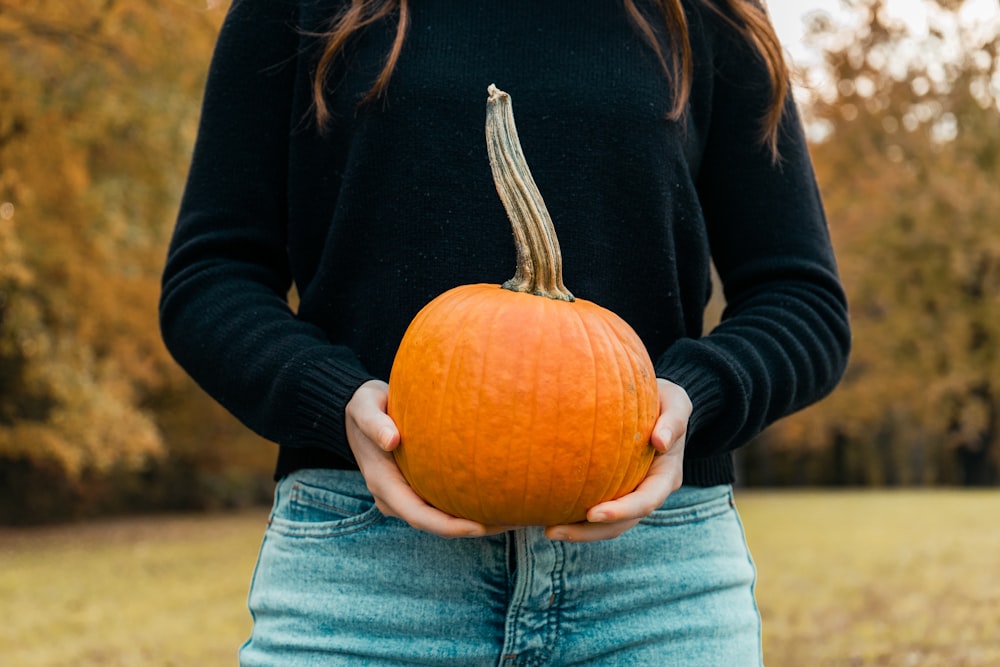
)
(321, 506)
(692, 504)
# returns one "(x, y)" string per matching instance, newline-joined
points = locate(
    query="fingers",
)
(372, 436)
(675, 411)
(394, 497)
(397, 499)
(664, 477)
(589, 532)
(610, 519)
(367, 409)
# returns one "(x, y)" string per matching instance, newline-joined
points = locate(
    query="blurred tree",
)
(98, 108)
(907, 157)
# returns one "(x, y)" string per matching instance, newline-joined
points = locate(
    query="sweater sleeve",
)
(784, 337)
(224, 313)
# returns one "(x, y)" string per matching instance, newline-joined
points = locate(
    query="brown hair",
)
(750, 20)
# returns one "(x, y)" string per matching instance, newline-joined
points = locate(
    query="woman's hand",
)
(372, 436)
(612, 518)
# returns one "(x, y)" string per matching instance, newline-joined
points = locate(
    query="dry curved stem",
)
(539, 260)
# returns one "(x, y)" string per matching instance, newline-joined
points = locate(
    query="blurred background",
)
(99, 102)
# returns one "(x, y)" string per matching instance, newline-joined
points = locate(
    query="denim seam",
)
(554, 618)
(694, 514)
(321, 529)
(300, 498)
(256, 568)
(753, 583)
(521, 570)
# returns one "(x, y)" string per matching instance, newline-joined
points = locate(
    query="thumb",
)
(368, 410)
(675, 411)
(662, 436)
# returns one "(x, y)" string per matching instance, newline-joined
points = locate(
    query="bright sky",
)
(789, 17)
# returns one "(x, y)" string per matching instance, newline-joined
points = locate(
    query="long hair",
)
(748, 17)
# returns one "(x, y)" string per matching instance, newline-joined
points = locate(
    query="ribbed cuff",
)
(326, 387)
(704, 390)
(718, 469)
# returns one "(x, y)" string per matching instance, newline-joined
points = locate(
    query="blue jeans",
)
(338, 583)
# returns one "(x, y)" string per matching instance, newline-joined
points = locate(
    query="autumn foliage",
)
(908, 164)
(98, 107)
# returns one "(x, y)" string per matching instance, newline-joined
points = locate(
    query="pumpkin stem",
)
(539, 261)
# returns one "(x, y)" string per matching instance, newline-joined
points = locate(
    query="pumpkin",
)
(520, 404)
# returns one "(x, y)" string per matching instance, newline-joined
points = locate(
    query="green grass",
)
(859, 578)
(877, 578)
(146, 593)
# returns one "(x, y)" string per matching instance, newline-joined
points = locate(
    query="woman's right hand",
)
(373, 435)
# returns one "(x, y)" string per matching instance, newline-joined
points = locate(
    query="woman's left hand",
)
(612, 518)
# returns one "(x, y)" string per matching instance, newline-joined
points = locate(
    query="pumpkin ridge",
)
(647, 409)
(460, 344)
(558, 418)
(630, 368)
(584, 483)
(500, 312)
(563, 444)
(483, 365)
(639, 376)
(477, 377)
(436, 488)
(525, 472)
(618, 333)
(599, 327)
(417, 326)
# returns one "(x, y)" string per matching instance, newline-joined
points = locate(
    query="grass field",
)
(877, 578)
(859, 578)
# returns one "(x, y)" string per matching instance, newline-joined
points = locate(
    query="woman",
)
(350, 161)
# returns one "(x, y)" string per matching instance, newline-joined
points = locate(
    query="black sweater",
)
(394, 203)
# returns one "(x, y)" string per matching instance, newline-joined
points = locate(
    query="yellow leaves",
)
(94, 423)
(13, 271)
(912, 212)
(97, 99)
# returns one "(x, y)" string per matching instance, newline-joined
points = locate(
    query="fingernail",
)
(598, 517)
(385, 438)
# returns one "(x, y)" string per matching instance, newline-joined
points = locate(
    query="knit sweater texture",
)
(393, 204)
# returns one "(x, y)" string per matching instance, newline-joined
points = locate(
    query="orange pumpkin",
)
(519, 404)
